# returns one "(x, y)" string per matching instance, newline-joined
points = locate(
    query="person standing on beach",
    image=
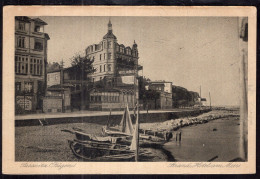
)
(179, 136)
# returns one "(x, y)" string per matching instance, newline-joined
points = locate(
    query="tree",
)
(82, 67)
(53, 66)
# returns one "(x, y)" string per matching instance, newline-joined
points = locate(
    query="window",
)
(37, 28)
(92, 98)
(28, 87)
(100, 78)
(18, 87)
(93, 80)
(104, 56)
(100, 57)
(109, 44)
(21, 26)
(38, 45)
(122, 49)
(21, 64)
(104, 68)
(36, 66)
(77, 87)
(108, 67)
(21, 42)
(109, 56)
(100, 68)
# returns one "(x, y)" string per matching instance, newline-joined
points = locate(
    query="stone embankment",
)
(175, 124)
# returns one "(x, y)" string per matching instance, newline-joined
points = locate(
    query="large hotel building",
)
(117, 68)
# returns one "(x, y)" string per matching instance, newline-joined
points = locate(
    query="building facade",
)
(70, 87)
(116, 70)
(30, 63)
(112, 61)
(111, 99)
(165, 90)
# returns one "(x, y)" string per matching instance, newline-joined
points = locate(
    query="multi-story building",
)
(116, 68)
(165, 94)
(111, 59)
(30, 62)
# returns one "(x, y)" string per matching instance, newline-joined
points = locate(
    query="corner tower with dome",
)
(116, 66)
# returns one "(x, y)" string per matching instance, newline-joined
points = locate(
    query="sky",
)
(187, 51)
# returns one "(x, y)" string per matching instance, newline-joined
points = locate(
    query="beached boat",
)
(123, 133)
(125, 128)
(89, 150)
(103, 151)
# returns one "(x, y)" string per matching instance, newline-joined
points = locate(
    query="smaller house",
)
(57, 99)
(165, 91)
(113, 98)
(64, 91)
(203, 102)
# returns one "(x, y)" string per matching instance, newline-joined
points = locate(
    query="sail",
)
(126, 125)
(134, 142)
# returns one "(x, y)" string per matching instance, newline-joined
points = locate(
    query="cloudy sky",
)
(188, 51)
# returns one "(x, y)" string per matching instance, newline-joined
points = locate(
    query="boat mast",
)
(209, 101)
(137, 116)
(200, 97)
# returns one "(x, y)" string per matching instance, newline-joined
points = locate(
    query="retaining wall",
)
(144, 118)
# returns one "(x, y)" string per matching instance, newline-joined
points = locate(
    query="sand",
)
(49, 143)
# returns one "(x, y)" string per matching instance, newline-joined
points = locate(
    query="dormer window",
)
(121, 49)
(37, 28)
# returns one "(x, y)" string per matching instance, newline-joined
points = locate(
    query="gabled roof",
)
(109, 35)
(23, 18)
(40, 21)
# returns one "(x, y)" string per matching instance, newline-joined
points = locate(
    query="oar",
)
(210, 160)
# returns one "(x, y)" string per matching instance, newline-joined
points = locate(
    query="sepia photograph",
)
(123, 88)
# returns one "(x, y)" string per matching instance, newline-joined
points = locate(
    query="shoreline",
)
(51, 143)
(216, 140)
(175, 124)
(178, 124)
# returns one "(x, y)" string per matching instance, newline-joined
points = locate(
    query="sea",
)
(216, 141)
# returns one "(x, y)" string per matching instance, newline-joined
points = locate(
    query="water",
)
(201, 143)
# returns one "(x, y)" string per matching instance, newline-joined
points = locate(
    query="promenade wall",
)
(102, 119)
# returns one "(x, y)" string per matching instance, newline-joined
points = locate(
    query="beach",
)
(200, 142)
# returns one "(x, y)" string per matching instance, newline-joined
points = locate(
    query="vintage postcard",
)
(129, 90)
